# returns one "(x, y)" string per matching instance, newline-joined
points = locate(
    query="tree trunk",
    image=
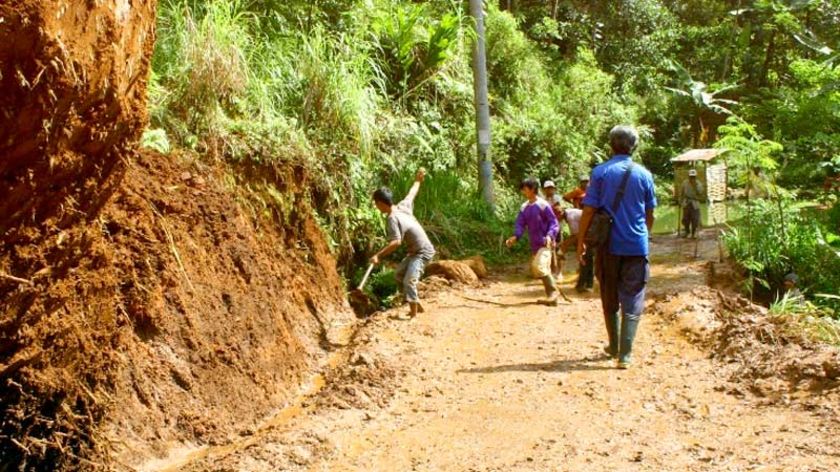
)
(768, 60)
(482, 106)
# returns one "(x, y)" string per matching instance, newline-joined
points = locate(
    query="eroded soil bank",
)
(473, 386)
(182, 314)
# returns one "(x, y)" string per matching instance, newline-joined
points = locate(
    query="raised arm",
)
(415, 188)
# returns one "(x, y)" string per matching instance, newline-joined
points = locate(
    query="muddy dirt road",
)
(472, 386)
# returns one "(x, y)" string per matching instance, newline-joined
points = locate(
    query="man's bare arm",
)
(585, 222)
(415, 188)
(649, 218)
(386, 251)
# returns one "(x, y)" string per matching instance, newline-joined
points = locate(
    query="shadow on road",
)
(562, 365)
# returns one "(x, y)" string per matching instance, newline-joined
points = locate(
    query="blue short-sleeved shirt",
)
(629, 236)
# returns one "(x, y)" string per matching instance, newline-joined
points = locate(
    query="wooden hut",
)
(711, 172)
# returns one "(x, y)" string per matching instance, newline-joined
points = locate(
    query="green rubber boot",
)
(629, 326)
(551, 295)
(612, 322)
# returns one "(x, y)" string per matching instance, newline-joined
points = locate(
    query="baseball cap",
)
(692, 173)
(549, 184)
(792, 277)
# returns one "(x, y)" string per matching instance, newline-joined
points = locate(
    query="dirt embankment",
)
(764, 355)
(145, 302)
(73, 76)
(175, 317)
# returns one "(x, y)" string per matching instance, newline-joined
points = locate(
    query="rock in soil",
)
(456, 271)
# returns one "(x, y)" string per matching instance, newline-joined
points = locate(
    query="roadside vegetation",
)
(360, 93)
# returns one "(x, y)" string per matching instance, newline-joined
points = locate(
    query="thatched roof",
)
(698, 155)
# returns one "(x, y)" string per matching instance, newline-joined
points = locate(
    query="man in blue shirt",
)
(622, 265)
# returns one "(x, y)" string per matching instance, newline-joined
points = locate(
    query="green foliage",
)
(201, 67)
(408, 47)
(702, 104)
(155, 139)
(750, 157)
(384, 286)
(777, 238)
(361, 92)
(806, 119)
(803, 317)
(552, 117)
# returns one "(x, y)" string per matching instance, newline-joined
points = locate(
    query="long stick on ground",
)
(556, 263)
(507, 305)
(16, 279)
(491, 302)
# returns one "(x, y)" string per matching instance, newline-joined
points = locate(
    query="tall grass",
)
(363, 92)
(202, 67)
(801, 317)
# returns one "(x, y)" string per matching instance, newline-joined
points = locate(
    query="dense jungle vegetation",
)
(361, 92)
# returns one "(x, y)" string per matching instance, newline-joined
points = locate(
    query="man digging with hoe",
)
(403, 226)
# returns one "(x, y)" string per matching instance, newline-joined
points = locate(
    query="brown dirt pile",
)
(368, 381)
(773, 362)
(175, 316)
(467, 271)
(73, 80)
(757, 349)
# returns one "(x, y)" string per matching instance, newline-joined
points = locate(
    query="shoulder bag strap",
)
(621, 188)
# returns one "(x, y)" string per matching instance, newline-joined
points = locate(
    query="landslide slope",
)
(146, 301)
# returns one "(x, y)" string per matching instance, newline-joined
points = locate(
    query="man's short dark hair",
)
(623, 139)
(529, 182)
(384, 195)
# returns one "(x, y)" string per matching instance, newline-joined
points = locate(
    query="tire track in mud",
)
(479, 387)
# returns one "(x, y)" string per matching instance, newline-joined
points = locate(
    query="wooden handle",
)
(367, 274)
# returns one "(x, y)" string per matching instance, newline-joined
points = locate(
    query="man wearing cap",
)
(792, 292)
(691, 194)
(550, 192)
(576, 195)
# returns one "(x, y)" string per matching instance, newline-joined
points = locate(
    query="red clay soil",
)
(145, 302)
(174, 317)
(73, 80)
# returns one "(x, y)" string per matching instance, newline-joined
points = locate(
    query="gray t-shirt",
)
(692, 194)
(404, 226)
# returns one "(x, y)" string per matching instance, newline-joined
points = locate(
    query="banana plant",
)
(702, 102)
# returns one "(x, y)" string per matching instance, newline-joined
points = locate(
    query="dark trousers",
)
(586, 278)
(622, 280)
(691, 219)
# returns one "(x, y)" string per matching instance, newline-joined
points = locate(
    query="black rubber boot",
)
(629, 326)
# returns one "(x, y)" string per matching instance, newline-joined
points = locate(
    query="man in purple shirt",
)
(538, 218)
